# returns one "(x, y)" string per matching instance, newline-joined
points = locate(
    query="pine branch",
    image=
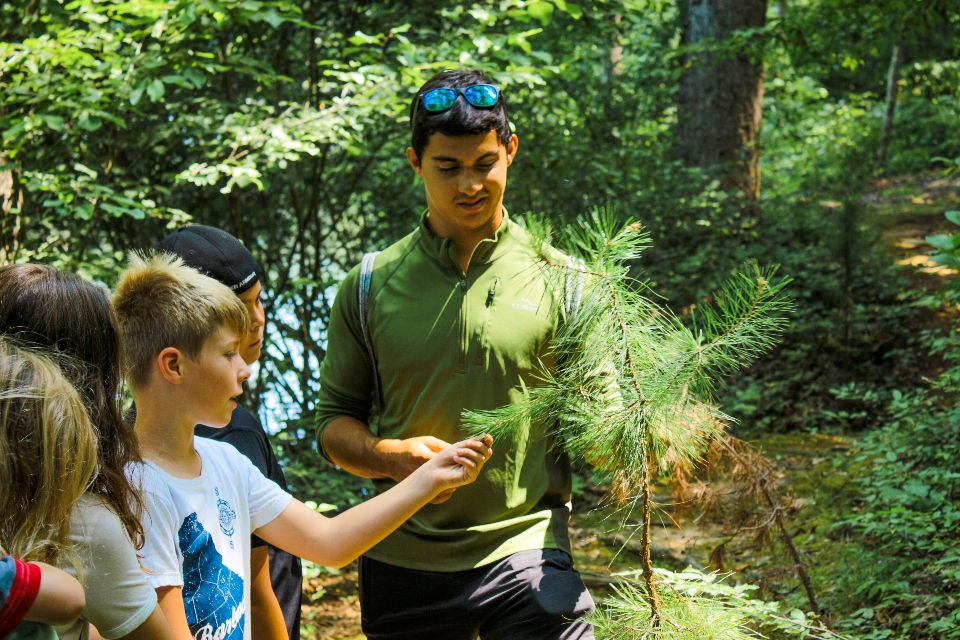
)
(633, 391)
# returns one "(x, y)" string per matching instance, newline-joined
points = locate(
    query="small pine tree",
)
(633, 392)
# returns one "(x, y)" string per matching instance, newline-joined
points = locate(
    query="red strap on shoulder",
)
(23, 593)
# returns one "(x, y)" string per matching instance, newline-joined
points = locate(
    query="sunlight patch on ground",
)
(922, 260)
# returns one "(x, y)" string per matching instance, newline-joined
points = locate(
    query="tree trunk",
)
(613, 69)
(893, 75)
(11, 200)
(721, 97)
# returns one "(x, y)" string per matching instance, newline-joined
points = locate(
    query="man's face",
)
(251, 343)
(465, 177)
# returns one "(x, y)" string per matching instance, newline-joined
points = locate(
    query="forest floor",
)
(816, 469)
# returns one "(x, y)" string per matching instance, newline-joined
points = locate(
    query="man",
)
(277, 583)
(459, 316)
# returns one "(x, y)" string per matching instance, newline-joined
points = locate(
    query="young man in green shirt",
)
(459, 316)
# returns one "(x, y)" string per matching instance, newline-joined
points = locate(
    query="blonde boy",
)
(180, 332)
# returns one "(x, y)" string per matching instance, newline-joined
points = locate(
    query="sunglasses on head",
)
(482, 96)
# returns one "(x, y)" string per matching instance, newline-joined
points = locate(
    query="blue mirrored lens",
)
(438, 99)
(481, 95)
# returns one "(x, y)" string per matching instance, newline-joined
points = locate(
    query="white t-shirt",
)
(198, 536)
(118, 597)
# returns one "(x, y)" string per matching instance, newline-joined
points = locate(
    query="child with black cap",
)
(277, 584)
(181, 333)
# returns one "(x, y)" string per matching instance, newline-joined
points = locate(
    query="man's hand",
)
(410, 454)
(459, 464)
(406, 456)
(350, 444)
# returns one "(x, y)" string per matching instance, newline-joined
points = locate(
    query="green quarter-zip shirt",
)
(447, 341)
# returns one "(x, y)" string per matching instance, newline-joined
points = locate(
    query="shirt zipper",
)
(464, 341)
(486, 319)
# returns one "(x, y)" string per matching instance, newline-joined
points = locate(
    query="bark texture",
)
(11, 200)
(721, 96)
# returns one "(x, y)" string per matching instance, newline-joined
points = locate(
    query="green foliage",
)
(283, 121)
(909, 515)
(635, 384)
(625, 617)
(948, 253)
(700, 605)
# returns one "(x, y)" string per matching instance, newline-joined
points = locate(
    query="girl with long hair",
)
(48, 455)
(59, 311)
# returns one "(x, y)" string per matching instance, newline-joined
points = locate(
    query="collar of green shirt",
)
(489, 249)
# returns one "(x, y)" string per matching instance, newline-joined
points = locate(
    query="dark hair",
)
(462, 119)
(52, 309)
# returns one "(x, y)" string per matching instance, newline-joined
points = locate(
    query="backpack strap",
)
(573, 288)
(366, 276)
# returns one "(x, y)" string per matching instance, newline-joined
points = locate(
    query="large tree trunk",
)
(721, 97)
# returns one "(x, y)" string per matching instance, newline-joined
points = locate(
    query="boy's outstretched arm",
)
(335, 542)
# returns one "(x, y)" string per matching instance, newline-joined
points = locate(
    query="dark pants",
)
(531, 595)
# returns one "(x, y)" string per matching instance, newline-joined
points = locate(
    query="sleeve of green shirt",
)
(346, 377)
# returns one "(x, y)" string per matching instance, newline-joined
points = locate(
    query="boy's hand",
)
(458, 464)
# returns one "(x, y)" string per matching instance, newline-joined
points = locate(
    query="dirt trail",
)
(815, 467)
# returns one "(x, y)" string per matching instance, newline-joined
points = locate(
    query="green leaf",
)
(574, 10)
(54, 122)
(155, 90)
(542, 11)
(14, 130)
(90, 123)
(272, 18)
(945, 259)
(84, 211)
(196, 77)
(851, 63)
(85, 169)
(360, 38)
(953, 216)
(941, 241)
(135, 95)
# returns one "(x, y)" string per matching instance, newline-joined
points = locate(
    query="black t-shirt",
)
(246, 434)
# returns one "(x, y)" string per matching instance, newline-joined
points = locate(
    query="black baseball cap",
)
(215, 253)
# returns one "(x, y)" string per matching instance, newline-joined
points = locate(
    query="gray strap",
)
(366, 275)
(574, 290)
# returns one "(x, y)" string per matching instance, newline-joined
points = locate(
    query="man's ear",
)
(170, 361)
(512, 148)
(414, 161)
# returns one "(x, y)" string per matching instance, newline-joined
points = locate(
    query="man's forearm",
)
(351, 445)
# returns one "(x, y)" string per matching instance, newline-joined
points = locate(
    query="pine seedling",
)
(685, 617)
(633, 392)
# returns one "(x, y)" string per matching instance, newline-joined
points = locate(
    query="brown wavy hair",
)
(49, 451)
(53, 309)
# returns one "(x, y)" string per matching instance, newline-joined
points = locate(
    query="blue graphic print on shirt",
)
(227, 516)
(212, 593)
